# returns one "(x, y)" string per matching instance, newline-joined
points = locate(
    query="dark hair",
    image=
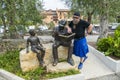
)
(76, 13)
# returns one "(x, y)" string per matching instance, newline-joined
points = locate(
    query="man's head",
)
(62, 24)
(76, 17)
(32, 32)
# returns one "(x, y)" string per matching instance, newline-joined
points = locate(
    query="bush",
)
(104, 44)
(110, 45)
(118, 28)
(10, 62)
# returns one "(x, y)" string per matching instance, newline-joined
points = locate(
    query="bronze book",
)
(67, 37)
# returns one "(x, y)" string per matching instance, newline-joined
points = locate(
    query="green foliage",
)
(20, 12)
(105, 43)
(105, 9)
(118, 20)
(110, 45)
(10, 62)
(118, 28)
(60, 74)
(95, 6)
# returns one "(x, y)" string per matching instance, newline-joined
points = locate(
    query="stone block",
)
(28, 61)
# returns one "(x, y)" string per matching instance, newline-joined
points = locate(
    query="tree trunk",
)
(13, 32)
(89, 17)
(103, 26)
(104, 20)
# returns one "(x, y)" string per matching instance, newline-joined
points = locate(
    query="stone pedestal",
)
(29, 61)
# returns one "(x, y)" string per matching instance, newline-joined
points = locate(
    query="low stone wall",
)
(19, 44)
(12, 44)
(45, 32)
(111, 63)
(9, 76)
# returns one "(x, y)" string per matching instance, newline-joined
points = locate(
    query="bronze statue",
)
(61, 39)
(36, 46)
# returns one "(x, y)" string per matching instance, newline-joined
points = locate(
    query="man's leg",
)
(42, 55)
(69, 58)
(55, 52)
(38, 54)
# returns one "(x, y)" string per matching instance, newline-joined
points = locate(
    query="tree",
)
(20, 12)
(103, 8)
(106, 9)
(85, 6)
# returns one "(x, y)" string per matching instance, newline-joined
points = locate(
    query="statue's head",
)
(32, 32)
(62, 24)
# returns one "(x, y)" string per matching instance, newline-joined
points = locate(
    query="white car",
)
(42, 28)
(1, 29)
(114, 25)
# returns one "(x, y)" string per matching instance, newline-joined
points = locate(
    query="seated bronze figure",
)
(36, 46)
(62, 38)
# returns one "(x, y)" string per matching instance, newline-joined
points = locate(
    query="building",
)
(56, 15)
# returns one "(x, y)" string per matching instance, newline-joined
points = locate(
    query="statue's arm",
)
(39, 42)
(55, 32)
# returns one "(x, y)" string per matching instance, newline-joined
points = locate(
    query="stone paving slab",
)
(93, 67)
(71, 77)
(108, 77)
(1, 78)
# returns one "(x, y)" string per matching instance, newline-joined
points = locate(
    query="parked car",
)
(1, 29)
(42, 28)
(114, 26)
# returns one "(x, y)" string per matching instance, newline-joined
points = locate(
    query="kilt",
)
(80, 47)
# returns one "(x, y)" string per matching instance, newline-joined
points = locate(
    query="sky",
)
(53, 4)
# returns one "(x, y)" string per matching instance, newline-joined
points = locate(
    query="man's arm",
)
(69, 29)
(89, 29)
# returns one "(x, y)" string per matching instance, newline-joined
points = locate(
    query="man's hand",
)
(69, 30)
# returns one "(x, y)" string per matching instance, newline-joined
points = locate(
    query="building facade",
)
(56, 15)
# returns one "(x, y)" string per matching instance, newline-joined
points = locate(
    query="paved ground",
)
(1, 78)
(107, 77)
(93, 67)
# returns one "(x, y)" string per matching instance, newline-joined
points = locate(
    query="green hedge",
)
(110, 45)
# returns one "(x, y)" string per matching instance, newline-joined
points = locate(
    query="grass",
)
(10, 62)
(60, 74)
